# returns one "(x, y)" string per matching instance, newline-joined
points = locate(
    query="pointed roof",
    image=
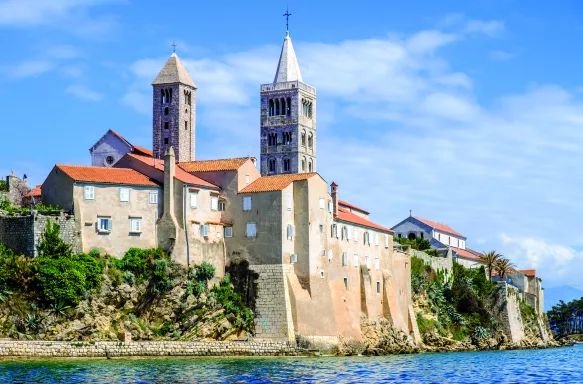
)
(174, 72)
(288, 68)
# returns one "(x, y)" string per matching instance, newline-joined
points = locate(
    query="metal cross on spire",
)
(173, 47)
(287, 15)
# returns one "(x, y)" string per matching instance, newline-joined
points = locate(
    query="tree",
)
(490, 259)
(51, 244)
(504, 267)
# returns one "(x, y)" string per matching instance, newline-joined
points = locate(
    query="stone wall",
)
(442, 263)
(24, 233)
(506, 311)
(273, 314)
(10, 348)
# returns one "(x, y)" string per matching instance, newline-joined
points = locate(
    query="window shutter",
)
(376, 239)
(109, 224)
(355, 257)
(214, 203)
(367, 261)
(355, 234)
(193, 200)
(377, 263)
(289, 202)
(348, 233)
(293, 227)
(386, 241)
(321, 203)
(89, 193)
(329, 254)
(153, 197)
(329, 207)
(336, 231)
(124, 194)
(344, 259)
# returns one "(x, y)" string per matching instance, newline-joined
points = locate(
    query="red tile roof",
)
(439, 227)
(91, 174)
(465, 253)
(214, 165)
(181, 175)
(345, 215)
(528, 272)
(35, 192)
(274, 183)
(354, 207)
(142, 151)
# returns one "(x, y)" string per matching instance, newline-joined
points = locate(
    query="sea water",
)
(560, 365)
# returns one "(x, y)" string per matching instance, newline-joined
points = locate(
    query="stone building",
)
(111, 147)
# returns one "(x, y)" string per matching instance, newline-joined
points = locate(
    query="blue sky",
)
(468, 113)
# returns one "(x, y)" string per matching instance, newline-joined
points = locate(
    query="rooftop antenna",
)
(287, 15)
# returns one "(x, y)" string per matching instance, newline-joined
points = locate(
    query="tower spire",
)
(288, 68)
(287, 15)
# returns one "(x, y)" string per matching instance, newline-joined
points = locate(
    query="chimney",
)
(169, 173)
(254, 161)
(334, 193)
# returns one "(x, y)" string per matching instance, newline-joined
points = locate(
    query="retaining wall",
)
(442, 263)
(10, 348)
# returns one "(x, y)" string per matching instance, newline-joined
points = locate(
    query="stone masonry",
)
(273, 314)
(149, 348)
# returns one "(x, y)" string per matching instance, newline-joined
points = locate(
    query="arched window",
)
(310, 166)
(411, 236)
(288, 110)
(271, 107)
(186, 125)
(286, 165)
(166, 111)
(304, 138)
(287, 138)
(310, 110)
(310, 140)
(304, 164)
(163, 99)
(271, 165)
(272, 139)
(277, 107)
(170, 95)
(165, 125)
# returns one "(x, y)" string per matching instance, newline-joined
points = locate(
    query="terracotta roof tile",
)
(439, 227)
(345, 215)
(142, 151)
(35, 192)
(214, 165)
(105, 175)
(274, 183)
(465, 253)
(345, 204)
(528, 272)
(181, 175)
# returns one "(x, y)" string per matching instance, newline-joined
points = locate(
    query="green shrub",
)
(59, 279)
(205, 271)
(51, 244)
(233, 304)
(115, 275)
(129, 277)
(3, 186)
(141, 262)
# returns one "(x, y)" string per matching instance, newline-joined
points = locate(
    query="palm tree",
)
(504, 267)
(489, 259)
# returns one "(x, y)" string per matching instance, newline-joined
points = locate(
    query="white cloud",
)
(491, 28)
(29, 68)
(83, 92)
(501, 55)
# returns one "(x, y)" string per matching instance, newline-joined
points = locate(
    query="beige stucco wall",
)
(107, 204)
(57, 189)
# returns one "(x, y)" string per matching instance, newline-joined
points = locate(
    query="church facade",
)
(323, 265)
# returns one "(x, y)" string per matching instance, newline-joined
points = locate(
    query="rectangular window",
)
(247, 203)
(345, 259)
(376, 239)
(378, 287)
(90, 193)
(104, 224)
(367, 261)
(246, 179)
(289, 201)
(321, 228)
(294, 258)
(291, 231)
(322, 202)
(355, 260)
(386, 241)
(228, 231)
(334, 231)
(214, 203)
(355, 234)
(165, 140)
(344, 232)
(251, 230)
(365, 237)
(329, 254)
(193, 199)
(329, 207)
(136, 225)
(124, 194)
(348, 233)
(377, 263)
(221, 205)
(153, 197)
(346, 282)
(204, 230)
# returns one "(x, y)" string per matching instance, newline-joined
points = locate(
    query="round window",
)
(109, 160)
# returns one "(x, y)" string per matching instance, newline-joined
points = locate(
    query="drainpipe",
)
(185, 225)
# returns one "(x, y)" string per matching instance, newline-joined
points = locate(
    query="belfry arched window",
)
(271, 108)
(166, 111)
(286, 165)
(304, 138)
(303, 164)
(271, 165)
(287, 138)
(310, 140)
(310, 166)
(288, 104)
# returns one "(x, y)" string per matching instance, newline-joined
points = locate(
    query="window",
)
(286, 165)
(386, 241)
(310, 140)
(166, 125)
(294, 258)
(310, 166)
(344, 232)
(247, 203)
(204, 230)
(355, 260)
(193, 199)
(153, 197)
(251, 230)
(348, 233)
(165, 140)
(246, 179)
(136, 225)
(321, 228)
(321, 273)
(322, 203)
(291, 231)
(345, 259)
(214, 203)
(222, 205)
(90, 193)
(304, 138)
(290, 201)
(104, 224)
(124, 194)
(329, 255)
(378, 287)
(377, 263)
(334, 231)
(355, 234)
(367, 261)
(166, 111)
(346, 282)
(186, 125)
(304, 164)
(272, 165)
(228, 231)
(329, 206)
(376, 239)
(367, 238)
(109, 160)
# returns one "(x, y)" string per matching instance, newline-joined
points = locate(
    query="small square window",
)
(153, 197)
(221, 205)
(251, 230)
(193, 199)
(124, 195)
(204, 230)
(228, 231)
(136, 225)
(104, 224)
(247, 203)
(166, 125)
(90, 193)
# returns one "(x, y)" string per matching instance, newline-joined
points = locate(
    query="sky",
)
(467, 113)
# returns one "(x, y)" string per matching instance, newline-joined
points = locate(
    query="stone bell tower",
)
(174, 112)
(288, 119)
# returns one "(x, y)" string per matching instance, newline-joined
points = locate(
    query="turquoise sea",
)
(561, 365)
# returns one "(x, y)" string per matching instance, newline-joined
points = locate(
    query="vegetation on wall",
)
(418, 243)
(3, 186)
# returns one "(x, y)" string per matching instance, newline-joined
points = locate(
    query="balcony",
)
(288, 85)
